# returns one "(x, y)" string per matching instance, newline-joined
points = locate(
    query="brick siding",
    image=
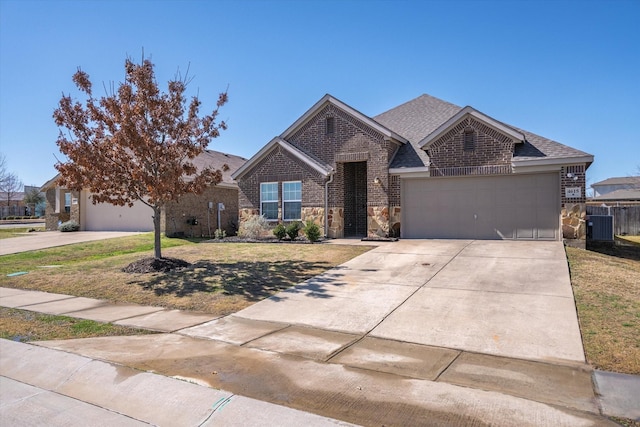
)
(178, 216)
(491, 147)
(351, 141)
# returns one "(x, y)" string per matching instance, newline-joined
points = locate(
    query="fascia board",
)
(256, 158)
(285, 145)
(230, 185)
(417, 172)
(328, 99)
(460, 115)
(554, 161)
(304, 158)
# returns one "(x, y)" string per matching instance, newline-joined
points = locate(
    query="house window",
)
(269, 200)
(469, 139)
(291, 200)
(331, 125)
(67, 202)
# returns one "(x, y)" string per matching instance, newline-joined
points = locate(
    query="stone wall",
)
(335, 219)
(395, 218)
(378, 221)
(573, 221)
(315, 214)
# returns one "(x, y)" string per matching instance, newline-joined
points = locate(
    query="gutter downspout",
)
(326, 204)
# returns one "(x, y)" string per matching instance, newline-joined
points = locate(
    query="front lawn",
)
(6, 233)
(606, 286)
(23, 326)
(223, 277)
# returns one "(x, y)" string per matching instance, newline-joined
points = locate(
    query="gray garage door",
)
(482, 207)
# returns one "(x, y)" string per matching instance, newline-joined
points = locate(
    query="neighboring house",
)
(425, 169)
(12, 204)
(191, 215)
(617, 189)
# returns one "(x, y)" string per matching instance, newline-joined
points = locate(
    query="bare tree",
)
(137, 143)
(3, 169)
(10, 185)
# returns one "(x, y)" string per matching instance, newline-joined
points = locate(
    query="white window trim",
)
(296, 200)
(268, 201)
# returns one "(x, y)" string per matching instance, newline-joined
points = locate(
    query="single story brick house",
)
(424, 169)
(192, 215)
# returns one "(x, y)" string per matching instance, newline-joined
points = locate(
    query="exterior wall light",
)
(376, 180)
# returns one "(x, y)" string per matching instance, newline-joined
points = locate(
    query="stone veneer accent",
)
(313, 214)
(335, 224)
(377, 221)
(574, 211)
(395, 219)
(574, 221)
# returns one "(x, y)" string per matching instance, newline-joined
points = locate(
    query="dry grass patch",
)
(222, 279)
(6, 233)
(607, 293)
(23, 326)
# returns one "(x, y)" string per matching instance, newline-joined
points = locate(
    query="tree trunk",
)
(156, 233)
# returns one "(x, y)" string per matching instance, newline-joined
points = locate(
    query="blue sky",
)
(566, 70)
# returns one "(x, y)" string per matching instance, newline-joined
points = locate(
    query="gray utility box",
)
(600, 228)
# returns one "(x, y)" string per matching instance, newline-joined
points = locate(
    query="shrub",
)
(219, 234)
(255, 227)
(312, 231)
(279, 231)
(69, 226)
(292, 230)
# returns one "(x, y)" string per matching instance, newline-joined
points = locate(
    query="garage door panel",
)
(482, 207)
(107, 217)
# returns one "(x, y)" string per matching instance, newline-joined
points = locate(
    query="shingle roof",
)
(633, 181)
(216, 160)
(415, 120)
(624, 194)
(419, 117)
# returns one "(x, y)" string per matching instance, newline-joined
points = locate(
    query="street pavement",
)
(407, 333)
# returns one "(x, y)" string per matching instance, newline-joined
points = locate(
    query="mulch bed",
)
(236, 239)
(153, 265)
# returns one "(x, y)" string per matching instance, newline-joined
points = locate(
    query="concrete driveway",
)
(504, 298)
(408, 332)
(50, 239)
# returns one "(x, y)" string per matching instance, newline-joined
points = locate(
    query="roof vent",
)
(469, 139)
(330, 125)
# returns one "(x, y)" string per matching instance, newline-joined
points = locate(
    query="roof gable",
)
(470, 112)
(328, 99)
(315, 164)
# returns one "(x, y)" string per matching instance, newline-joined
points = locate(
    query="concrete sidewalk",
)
(453, 332)
(336, 375)
(41, 386)
(50, 239)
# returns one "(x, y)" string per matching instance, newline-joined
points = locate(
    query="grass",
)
(23, 326)
(6, 233)
(605, 285)
(83, 252)
(630, 239)
(223, 277)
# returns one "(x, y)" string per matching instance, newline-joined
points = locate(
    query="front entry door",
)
(355, 199)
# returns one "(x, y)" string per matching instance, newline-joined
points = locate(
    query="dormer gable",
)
(486, 124)
(329, 122)
(471, 142)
